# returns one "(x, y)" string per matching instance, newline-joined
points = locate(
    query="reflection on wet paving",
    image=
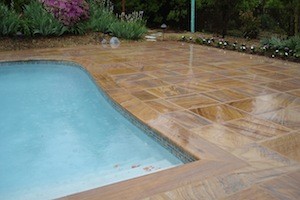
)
(239, 114)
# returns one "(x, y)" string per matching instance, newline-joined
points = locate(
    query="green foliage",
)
(293, 43)
(275, 43)
(101, 16)
(9, 21)
(39, 22)
(128, 30)
(179, 10)
(16, 5)
(79, 28)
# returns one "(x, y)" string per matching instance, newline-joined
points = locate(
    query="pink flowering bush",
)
(69, 12)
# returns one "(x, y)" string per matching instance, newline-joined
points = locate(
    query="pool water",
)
(59, 135)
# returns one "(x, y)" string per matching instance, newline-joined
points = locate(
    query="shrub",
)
(9, 21)
(69, 12)
(272, 43)
(37, 21)
(17, 5)
(101, 15)
(78, 29)
(282, 46)
(128, 30)
(129, 26)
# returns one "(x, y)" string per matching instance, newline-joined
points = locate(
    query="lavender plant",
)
(101, 15)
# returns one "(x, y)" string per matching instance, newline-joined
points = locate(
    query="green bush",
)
(290, 45)
(37, 21)
(273, 42)
(17, 5)
(9, 21)
(101, 16)
(293, 43)
(128, 30)
(79, 28)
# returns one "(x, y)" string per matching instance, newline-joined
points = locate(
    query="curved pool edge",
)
(184, 155)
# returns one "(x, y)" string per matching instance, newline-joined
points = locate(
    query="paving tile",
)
(163, 106)
(209, 68)
(162, 73)
(252, 90)
(222, 136)
(140, 110)
(295, 92)
(219, 113)
(192, 101)
(254, 70)
(256, 105)
(261, 158)
(186, 70)
(294, 81)
(226, 83)
(256, 129)
(168, 91)
(225, 95)
(295, 72)
(119, 70)
(273, 68)
(187, 119)
(208, 76)
(144, 84)
(178, 79)
(275, 76)
(281, 86)
(198, 86)
(288, 117)
(210, 189)
(281, 99)
(288, 145)
(252, 193)
(131, 77)
(144, 95)
(253, 79)
(285, 187)
(231, 72)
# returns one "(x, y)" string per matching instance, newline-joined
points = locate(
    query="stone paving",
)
(238, 114)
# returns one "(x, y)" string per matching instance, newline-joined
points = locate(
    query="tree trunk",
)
(123, 6)
(225, 16)
(296, 18)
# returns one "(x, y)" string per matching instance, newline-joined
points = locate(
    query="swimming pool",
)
(60, 135)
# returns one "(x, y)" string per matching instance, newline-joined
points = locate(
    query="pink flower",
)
(69, 12)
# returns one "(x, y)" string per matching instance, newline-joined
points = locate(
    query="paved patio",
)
(238, 114)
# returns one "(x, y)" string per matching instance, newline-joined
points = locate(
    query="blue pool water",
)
(58, 135)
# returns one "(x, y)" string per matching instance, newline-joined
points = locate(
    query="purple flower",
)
(69, 12)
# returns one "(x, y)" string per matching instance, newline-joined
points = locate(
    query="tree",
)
(223, 8)
(290, 10)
